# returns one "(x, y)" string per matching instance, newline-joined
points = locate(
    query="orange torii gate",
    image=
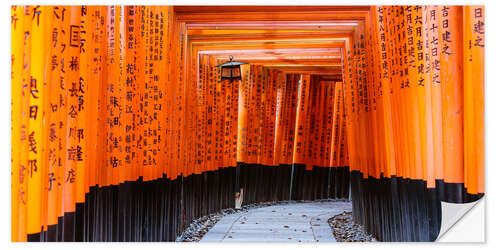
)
(120, 121)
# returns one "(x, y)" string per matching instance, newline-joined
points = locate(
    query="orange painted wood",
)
(473, 60)
(450, 19)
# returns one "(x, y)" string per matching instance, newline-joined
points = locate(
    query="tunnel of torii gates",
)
(123, 131)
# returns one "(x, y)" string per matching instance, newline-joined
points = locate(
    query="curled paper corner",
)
(462, 222)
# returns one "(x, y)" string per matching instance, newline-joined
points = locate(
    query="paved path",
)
(294, 222)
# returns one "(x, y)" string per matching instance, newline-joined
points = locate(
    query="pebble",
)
(346, 230)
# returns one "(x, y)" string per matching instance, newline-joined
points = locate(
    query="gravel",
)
(199, 227)
(346, 230)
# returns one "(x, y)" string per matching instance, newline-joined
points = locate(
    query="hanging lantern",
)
(231, 70)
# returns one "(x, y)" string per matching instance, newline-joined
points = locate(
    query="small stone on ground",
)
(345, 229)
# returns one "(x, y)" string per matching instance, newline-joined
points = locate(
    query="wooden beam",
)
(224, 16)
(185, 9)
(317, 25)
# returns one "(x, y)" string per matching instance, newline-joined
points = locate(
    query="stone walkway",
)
(293, 222)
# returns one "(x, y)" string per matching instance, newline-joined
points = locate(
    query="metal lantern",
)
(231, 70)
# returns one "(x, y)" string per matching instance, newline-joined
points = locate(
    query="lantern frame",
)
(231, 70)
